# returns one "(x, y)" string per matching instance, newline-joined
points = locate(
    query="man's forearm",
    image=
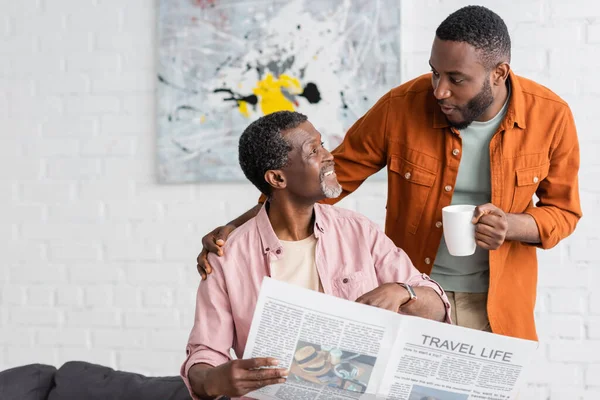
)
(197, 377)
(428, 305)
(522, 228)
(242, 219)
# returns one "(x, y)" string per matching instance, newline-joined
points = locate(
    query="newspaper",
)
(336, 349)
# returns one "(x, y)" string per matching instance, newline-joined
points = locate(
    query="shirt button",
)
(448, 188)
(407, 175)
(456, 152)
(268, 249)
(345, 280)
(535, 179)
(427, 261)
(438, 224)
(278, 251)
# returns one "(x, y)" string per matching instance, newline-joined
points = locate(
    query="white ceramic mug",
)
(459, 231)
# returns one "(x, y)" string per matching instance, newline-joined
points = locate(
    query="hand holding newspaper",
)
(336, 349)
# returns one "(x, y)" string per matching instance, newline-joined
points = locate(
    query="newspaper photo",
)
(337, 349)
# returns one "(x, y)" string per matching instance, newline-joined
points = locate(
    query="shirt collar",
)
(515, 115)
(269, 240)
(319, 227)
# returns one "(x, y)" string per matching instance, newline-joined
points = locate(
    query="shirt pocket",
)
(351, 285)
(410, 188)
(527, 181)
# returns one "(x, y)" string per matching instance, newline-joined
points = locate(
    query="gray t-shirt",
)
(470, 273)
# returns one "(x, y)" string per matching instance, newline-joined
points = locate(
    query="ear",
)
(276, 178)
(500, 74)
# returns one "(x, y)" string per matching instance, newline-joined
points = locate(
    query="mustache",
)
(325, 169)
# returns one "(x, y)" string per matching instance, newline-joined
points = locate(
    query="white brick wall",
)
(98, 260)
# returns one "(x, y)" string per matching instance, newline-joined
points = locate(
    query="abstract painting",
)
(224, 63)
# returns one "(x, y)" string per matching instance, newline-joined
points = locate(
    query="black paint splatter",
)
(182, 147)
(163, 80)
(344, 105)
(186, 108)
(311, 92)
(223, 64)
(260, 69)
(251, 99)
(175, 114)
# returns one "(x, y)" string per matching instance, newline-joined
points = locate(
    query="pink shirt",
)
(353, 256)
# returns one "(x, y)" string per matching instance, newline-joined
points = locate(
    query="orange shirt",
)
(534, 151)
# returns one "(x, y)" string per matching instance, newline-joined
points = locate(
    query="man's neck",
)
(291, 222)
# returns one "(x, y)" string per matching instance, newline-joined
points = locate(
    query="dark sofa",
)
(77, 380)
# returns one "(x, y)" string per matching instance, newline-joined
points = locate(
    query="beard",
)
(330, 191)
(475, 107)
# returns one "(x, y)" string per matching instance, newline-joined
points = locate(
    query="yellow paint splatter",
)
(243, 108)
(270, 96)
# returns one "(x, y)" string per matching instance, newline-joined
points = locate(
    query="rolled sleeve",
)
(423, 280)
(554, 224)
(211, 337)
(199, 355)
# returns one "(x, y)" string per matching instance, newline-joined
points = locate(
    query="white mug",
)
(459, 231)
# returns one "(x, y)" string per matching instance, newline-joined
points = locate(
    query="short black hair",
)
(262, 148)
(481, 28)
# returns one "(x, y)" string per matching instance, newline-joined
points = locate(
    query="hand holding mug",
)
(491, 226)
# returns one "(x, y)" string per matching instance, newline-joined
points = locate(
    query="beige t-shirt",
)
(297, 266)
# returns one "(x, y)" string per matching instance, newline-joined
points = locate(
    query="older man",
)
(293, 239)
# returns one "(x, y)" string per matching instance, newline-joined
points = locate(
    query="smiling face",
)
(461, 83)
(310, 173)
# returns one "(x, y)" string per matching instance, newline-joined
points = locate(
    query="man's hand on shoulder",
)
(213, 242)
